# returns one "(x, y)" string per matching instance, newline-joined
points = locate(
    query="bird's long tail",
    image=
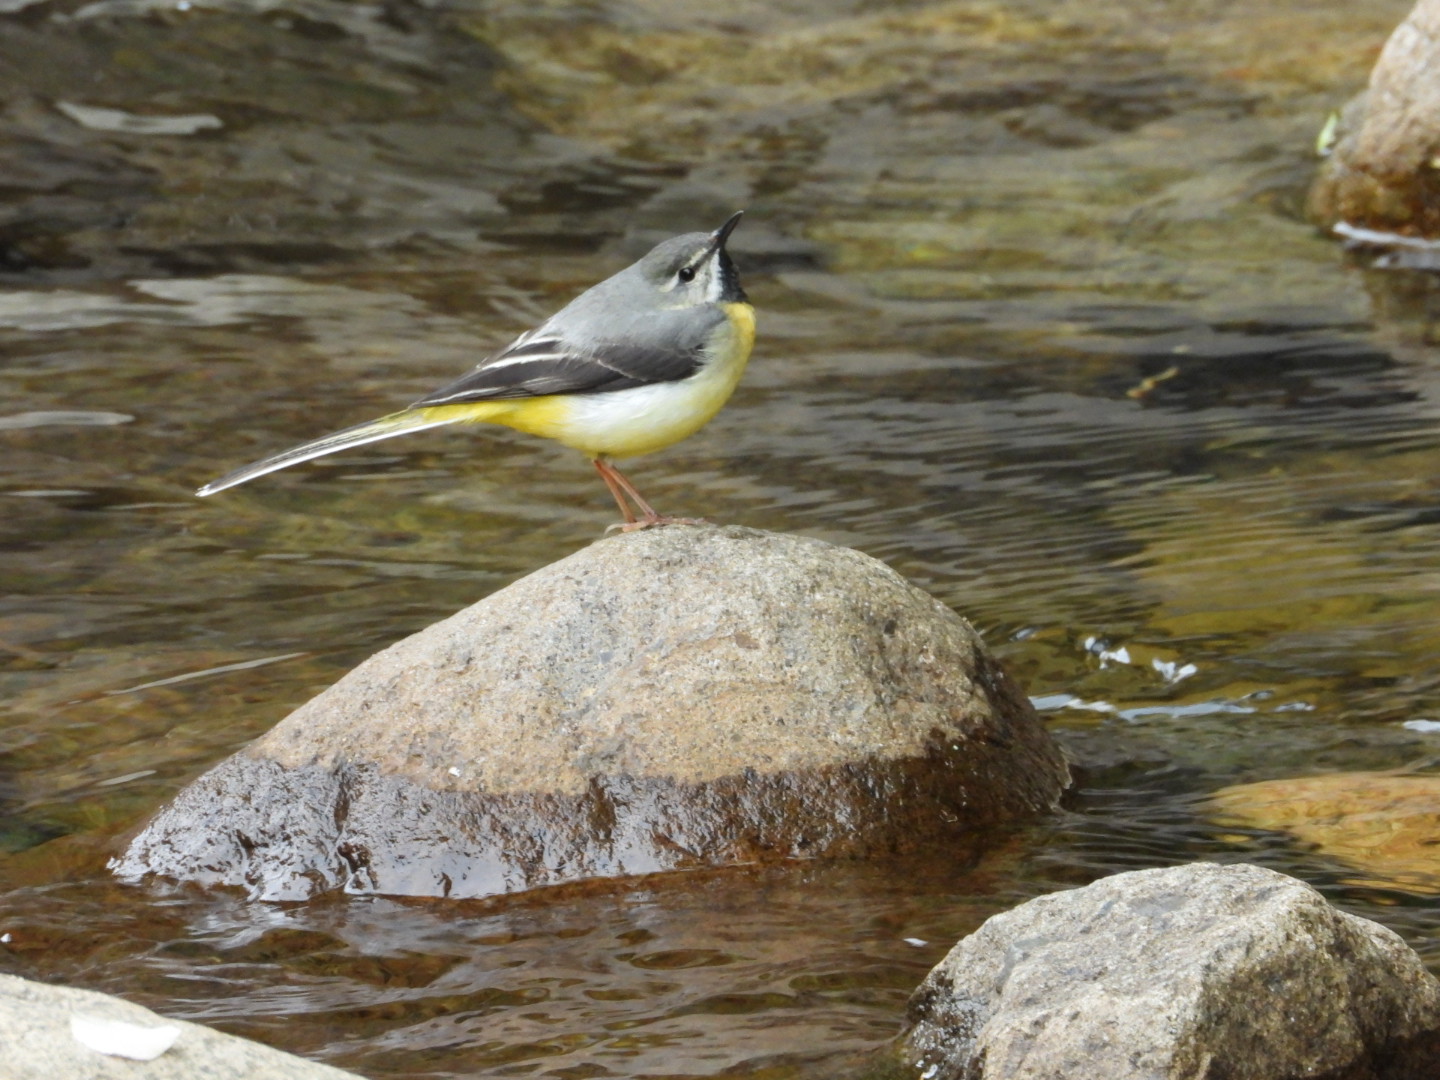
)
(400, 423)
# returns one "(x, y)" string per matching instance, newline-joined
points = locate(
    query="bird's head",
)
(694, 269)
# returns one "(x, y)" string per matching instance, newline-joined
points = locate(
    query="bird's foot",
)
(651, 522)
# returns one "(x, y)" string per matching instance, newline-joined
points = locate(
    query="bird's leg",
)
(648, 516)
(606, 470)
(617, 483)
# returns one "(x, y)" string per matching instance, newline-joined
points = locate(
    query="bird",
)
(630, 366)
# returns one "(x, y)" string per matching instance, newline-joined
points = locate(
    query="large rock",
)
(40, 1042)
(1189, 972)
(1382, 172)
(673, 698)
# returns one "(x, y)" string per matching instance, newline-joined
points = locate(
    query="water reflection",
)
(1040, 326)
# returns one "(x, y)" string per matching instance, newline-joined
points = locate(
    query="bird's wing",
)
(540, 363)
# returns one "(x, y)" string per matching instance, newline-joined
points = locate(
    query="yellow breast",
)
(742, 323)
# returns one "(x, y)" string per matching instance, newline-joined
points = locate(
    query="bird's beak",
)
(720, 235)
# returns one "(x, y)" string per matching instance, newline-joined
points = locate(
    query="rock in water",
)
(1191, 971)
(1382, 174)
(672, 698)
(59, 1033)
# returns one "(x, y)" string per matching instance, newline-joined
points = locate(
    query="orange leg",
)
(607, 472)
(622, 489)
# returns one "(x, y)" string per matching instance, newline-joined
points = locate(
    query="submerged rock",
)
(55, 1032)
(1383, 173)
(675, 698)
(1383, 824)
(1191, 971)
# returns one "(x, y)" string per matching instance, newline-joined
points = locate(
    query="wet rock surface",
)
(1192, 971)
(1382, 172)
(45, 1025)
(676, 698)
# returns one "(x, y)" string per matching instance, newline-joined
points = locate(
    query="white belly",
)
(642, 419)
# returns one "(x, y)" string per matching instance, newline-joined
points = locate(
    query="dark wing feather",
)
(536, 364)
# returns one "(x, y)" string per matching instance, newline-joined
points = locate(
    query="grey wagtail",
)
(640, 361)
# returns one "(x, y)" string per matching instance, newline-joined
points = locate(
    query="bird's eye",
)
(687, 274)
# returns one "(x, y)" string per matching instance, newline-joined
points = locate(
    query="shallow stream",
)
(1042, 325)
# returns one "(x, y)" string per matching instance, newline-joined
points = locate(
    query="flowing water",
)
(1042, 325)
